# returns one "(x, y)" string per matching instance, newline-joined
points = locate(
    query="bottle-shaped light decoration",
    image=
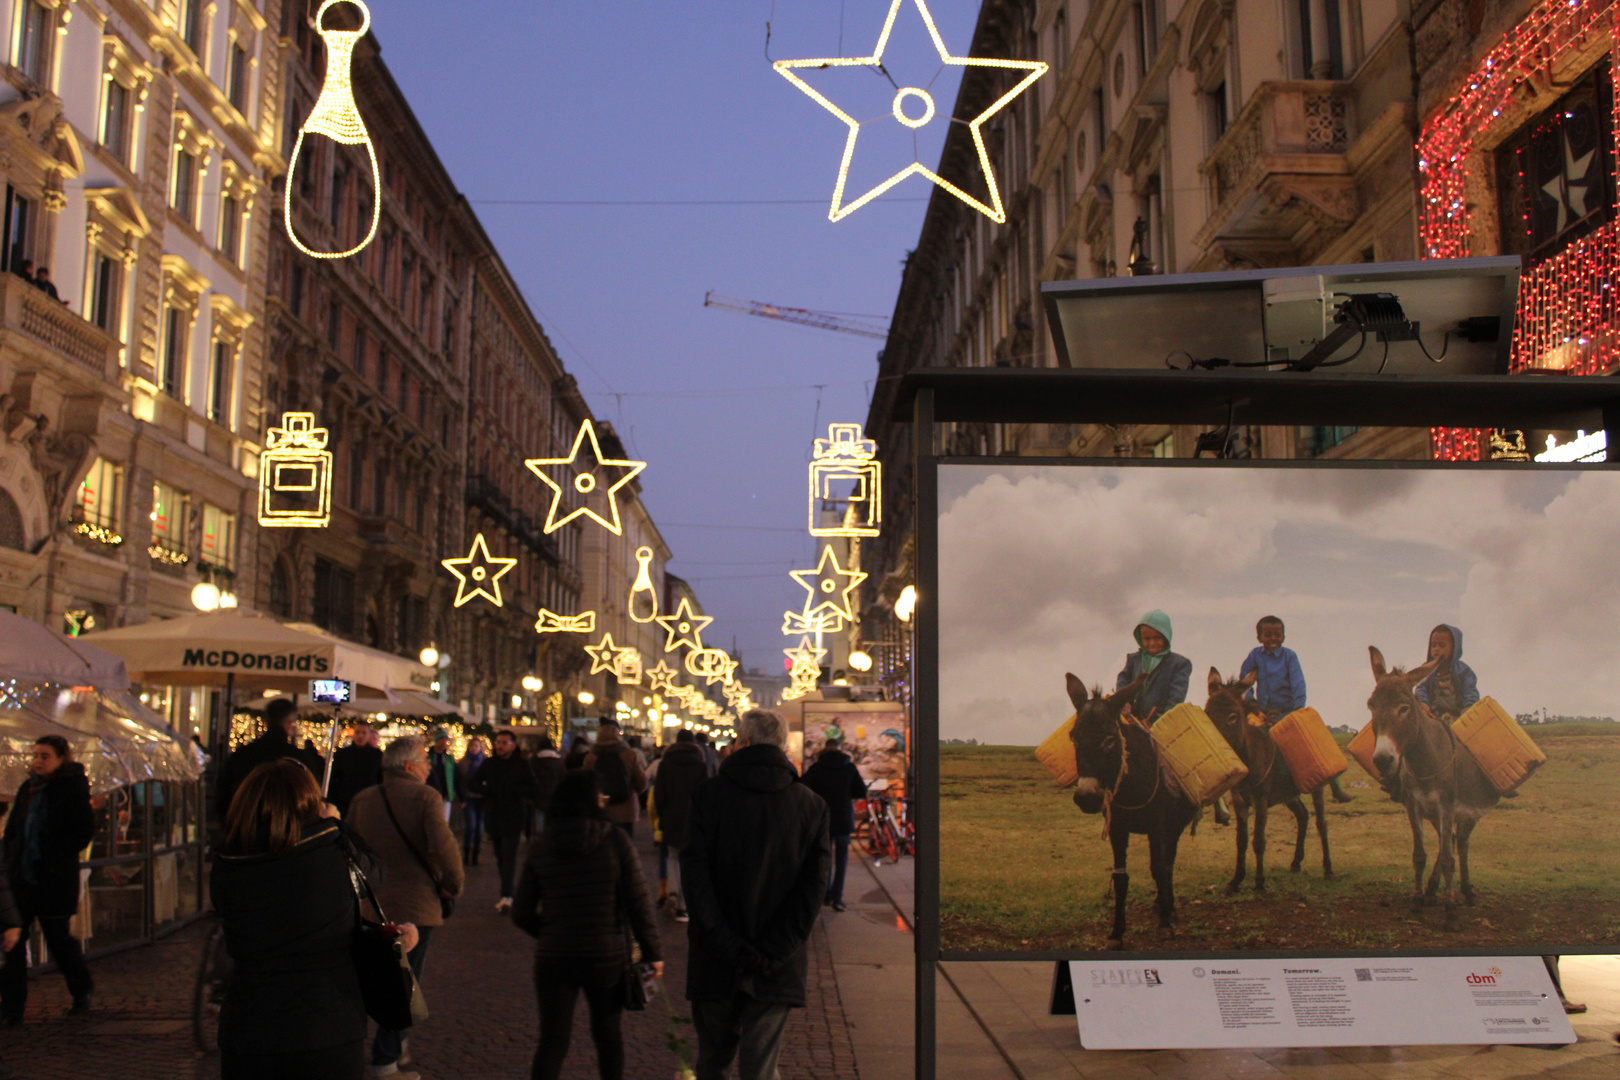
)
(839, 458)
(643, 602)
(295, 475)
(336, 116)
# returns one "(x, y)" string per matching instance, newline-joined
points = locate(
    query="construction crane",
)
(823, 320)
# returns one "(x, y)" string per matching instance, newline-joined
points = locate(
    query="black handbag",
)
(387, 984)
(447, 900)
(638, 984)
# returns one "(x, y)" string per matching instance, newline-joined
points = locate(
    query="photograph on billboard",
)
(1227, 707)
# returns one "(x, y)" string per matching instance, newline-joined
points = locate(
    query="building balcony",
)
(29, 317)
(1280, 181)
(487, 496)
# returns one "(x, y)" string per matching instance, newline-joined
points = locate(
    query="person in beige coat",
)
(402, 820)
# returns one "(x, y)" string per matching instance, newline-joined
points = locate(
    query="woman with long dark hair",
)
(281, 885)
(582, 897)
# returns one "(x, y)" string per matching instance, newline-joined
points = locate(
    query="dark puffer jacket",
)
(507, 785)
(836, 779)
(582, 880)
(288, 922)
(680, 771)
(754, 869)
(50, 886)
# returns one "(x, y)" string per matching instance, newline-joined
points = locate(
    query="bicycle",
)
(884, 836)
(208, 997)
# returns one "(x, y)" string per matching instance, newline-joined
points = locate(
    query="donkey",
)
(1121, 778)
(1269, 782)
(1433, 775)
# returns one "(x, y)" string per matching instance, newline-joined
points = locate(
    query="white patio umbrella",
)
(31, 653)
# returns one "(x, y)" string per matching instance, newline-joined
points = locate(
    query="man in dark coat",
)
(280, 739)
(680, 771)
(755, 868)
(355, 767)
(548, 773)
(835, 778)
(50, 823)
(507, 785)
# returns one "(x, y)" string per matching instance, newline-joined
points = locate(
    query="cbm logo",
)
(1488, 979)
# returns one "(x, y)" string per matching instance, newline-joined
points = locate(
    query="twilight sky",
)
(665, 100)
(1046, 570)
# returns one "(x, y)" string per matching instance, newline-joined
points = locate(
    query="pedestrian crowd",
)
(326, 899)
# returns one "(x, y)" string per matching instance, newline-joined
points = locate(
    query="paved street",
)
(478, 986)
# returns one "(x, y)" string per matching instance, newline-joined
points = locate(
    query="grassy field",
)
(1023, 869)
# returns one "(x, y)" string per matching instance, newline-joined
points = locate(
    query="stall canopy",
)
(403, 703)
(259, 651)
(30, 653)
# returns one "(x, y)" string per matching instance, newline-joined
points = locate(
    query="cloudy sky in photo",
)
(1047, 569)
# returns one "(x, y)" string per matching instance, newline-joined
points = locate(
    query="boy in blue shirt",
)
(1279, 685)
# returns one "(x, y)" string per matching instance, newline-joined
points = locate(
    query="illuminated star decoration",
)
(586, 482)
(1576, 175)
(604, 654)
(479, 573)
(902, 98)
(683, 627)
(336, 116)
(830, 586)
(662, 677)
(806, 669)
(739, 697)
(552, 623)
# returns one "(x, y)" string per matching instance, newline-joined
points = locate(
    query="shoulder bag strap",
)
(362, 890)
(423, 863)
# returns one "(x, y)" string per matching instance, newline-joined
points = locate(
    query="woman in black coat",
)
(581, 897)
(281, 886)
(50, 823)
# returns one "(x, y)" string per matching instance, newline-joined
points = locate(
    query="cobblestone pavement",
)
(478, 985)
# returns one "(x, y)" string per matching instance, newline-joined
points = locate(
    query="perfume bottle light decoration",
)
(337, 116)
(296, 467)
(841, 457)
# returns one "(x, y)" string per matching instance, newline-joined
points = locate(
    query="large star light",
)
(662, 677)
(831, 589)
(586, 482)
(907, 101)
(479, 573)
(684, 627)
(604, 654)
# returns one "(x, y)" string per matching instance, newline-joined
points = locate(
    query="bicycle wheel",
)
(213, 977)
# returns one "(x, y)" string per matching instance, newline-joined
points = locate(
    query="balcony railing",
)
(32, 313)
(487, 496)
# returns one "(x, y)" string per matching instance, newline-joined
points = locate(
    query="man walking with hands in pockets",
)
(754, 867)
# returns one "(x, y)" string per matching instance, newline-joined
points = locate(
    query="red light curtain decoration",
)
(1566, 314)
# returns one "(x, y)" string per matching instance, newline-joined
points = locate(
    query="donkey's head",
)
(1227, 707)
(1395, 711)
(1099, 744)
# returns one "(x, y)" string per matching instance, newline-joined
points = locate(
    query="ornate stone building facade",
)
(139, 139)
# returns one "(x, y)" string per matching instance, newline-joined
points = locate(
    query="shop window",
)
(116, 117)
(218, 538)
(1555, 177)
(101, 494)
(34, 40)
(169, 512)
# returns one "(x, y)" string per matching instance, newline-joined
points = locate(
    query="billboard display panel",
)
(1432, 644)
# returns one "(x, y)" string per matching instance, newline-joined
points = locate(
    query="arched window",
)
(12, 533)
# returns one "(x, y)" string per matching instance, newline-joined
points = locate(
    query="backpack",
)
(614, 776)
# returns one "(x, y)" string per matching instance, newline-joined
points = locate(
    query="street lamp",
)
(517, 701)
(906, 604)
(205, 596)
(429, 657)
(533, 684)
(227, 599)
(860, 660)
(586, 697)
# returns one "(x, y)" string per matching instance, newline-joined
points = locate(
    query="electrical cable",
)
(1347, 359)
(1445, 343)
(1385, 360)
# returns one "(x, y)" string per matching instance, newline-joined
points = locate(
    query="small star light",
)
(806, 669)
(739, 697)
(906, 101)
(830, 586)
(336, 116)
(480, 573)
(684, 627)
(586, 483)
(604, 654)
(552, 623)
(662, 677)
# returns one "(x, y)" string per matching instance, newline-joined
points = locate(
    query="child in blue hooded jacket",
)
(1168, 673)
(1452, 687)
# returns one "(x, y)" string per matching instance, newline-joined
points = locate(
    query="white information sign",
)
(1203, 1004)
